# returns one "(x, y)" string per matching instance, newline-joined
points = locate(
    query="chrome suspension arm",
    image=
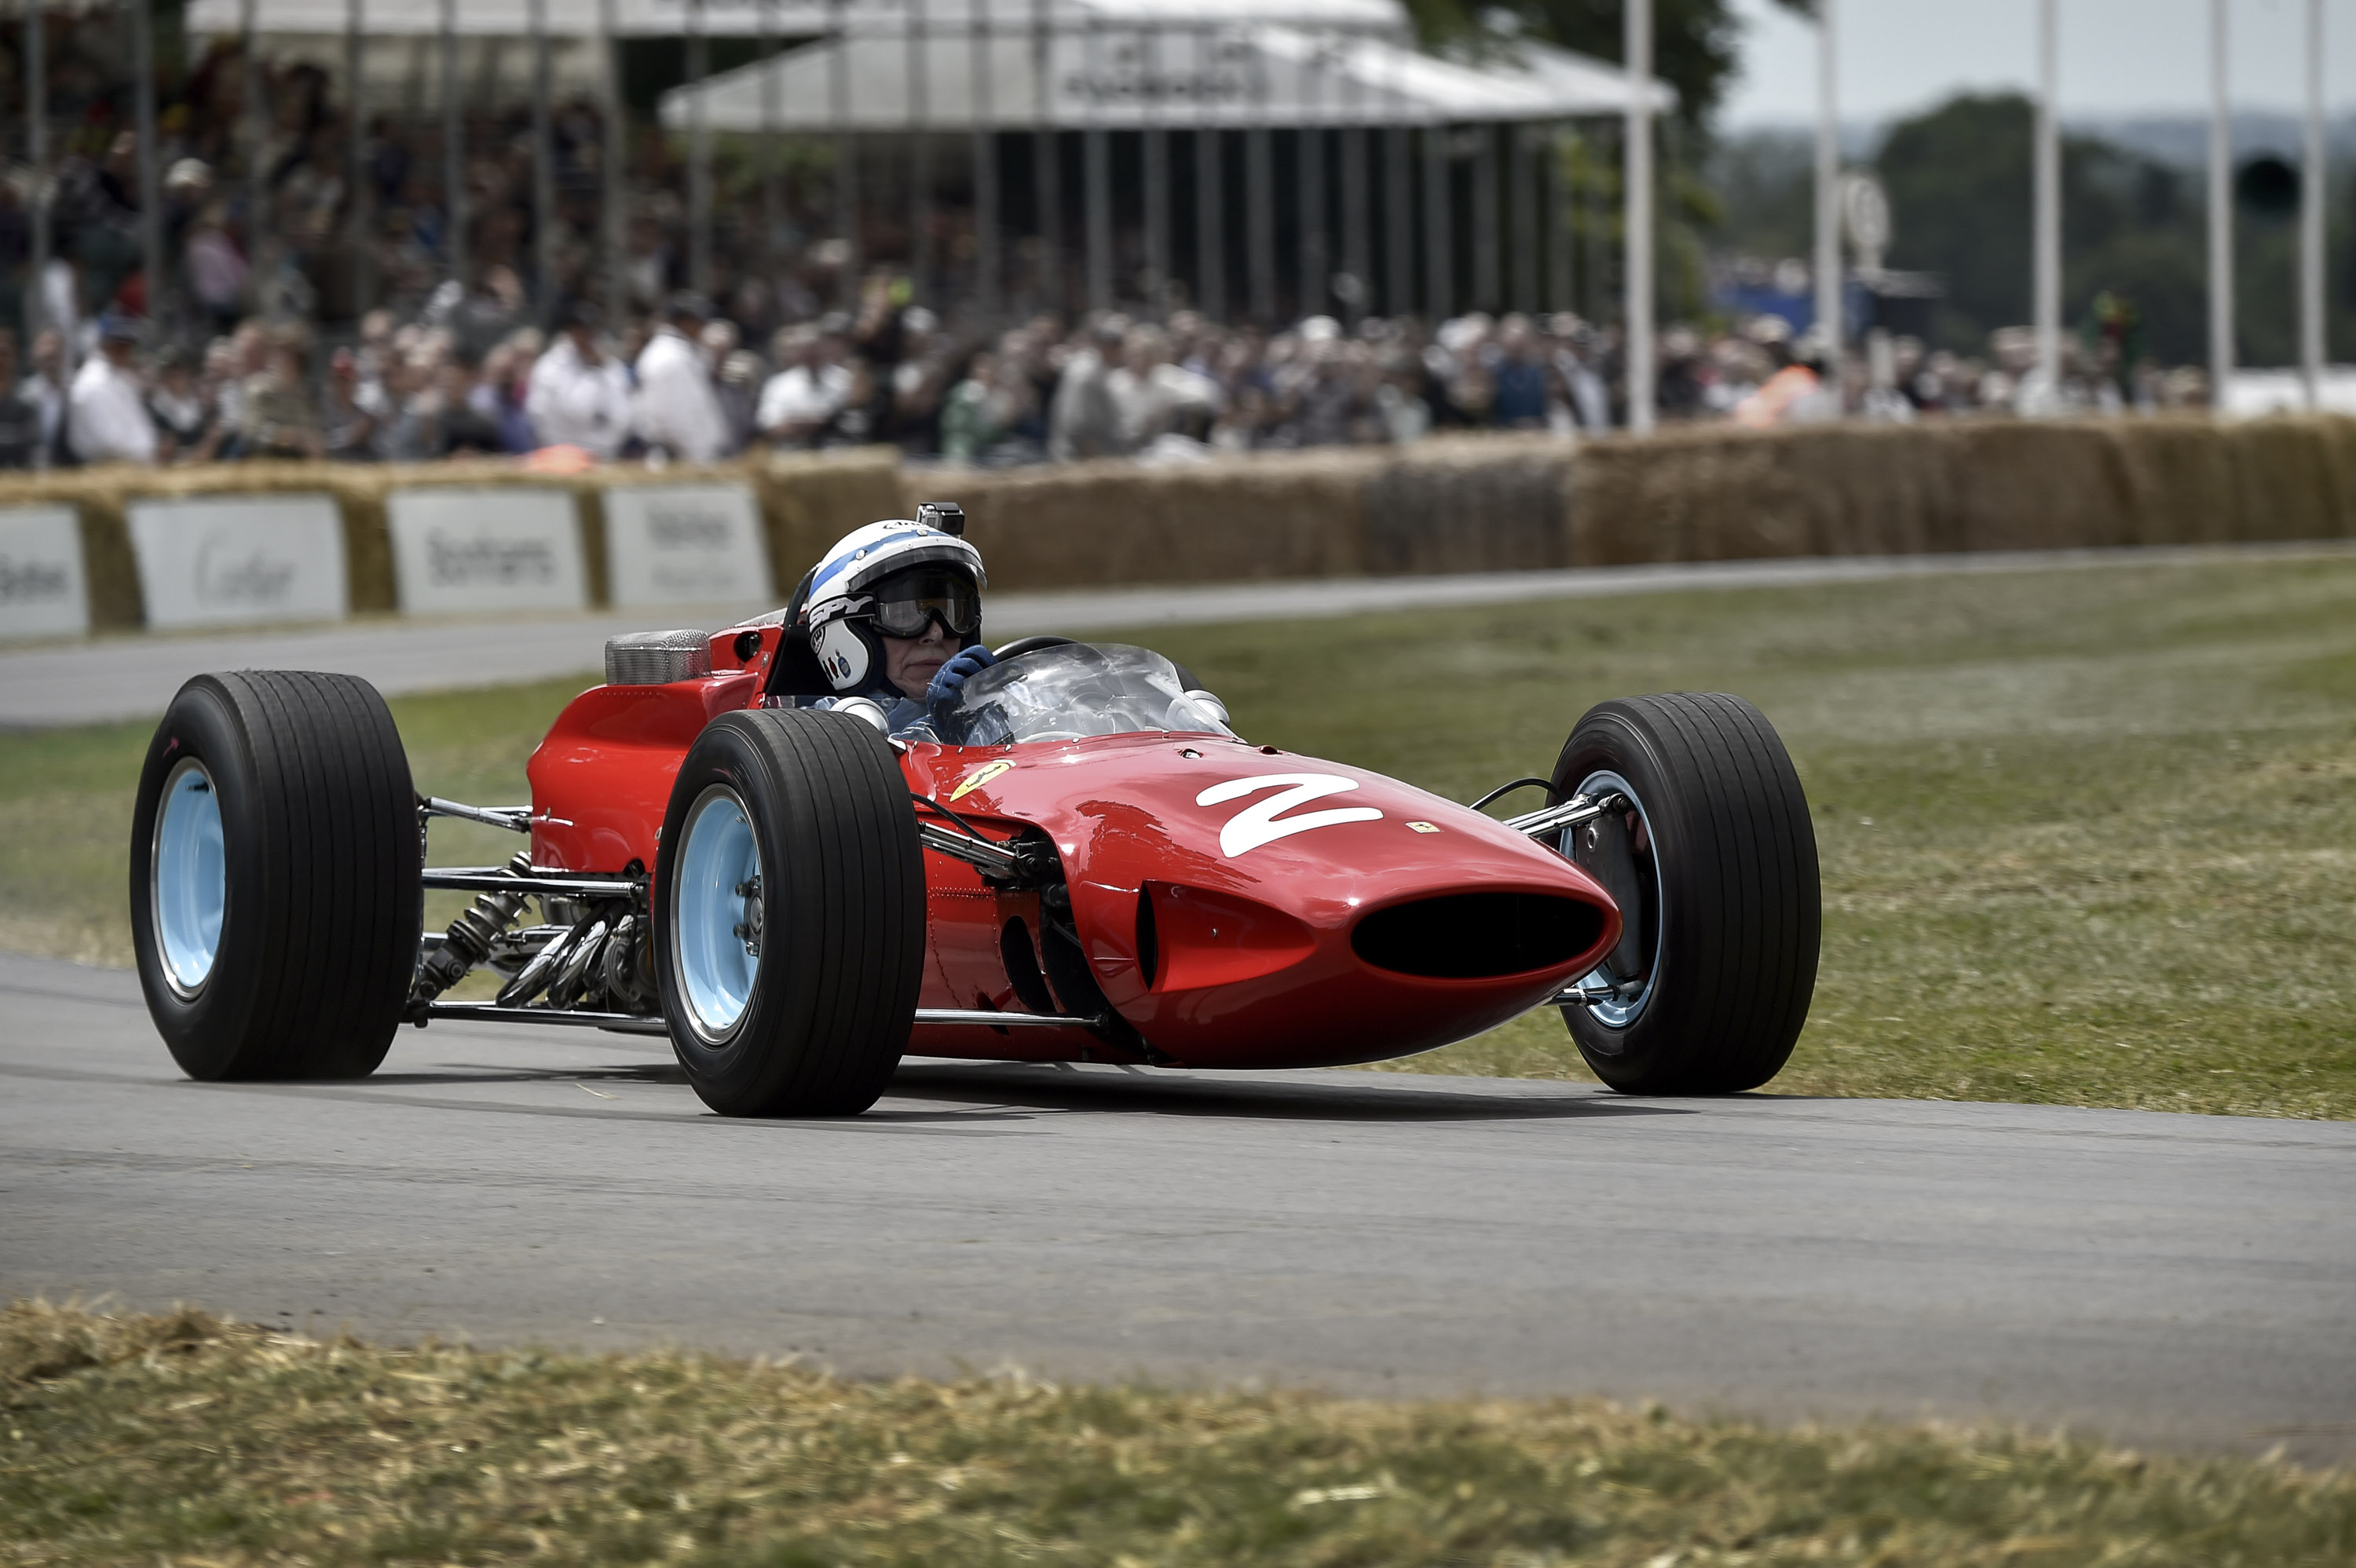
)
(1575, 812)
(514, 818)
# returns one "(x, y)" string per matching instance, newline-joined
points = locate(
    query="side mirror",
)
(1209, 704)
(866, 709)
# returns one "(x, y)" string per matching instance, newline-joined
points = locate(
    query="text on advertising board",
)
(461, 550)
(227, 560)
(685, 544)
(41, 576)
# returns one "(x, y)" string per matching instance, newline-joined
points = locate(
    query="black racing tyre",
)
(791, 919)
(275, 893)
(1713, 862)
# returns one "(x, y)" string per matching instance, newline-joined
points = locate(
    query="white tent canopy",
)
(789, 18)
(1176, 77)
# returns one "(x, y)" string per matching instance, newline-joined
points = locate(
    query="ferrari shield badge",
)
(978, 777)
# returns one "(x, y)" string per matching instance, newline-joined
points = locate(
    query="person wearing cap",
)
(579, 395)
(186, 425)
(676, 408)
(106, 411)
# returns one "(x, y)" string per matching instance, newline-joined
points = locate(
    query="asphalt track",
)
(2178, 1281)
(134, 677)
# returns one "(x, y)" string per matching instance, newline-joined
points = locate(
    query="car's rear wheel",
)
(791, 897)
(1708, 851)
(275, 893)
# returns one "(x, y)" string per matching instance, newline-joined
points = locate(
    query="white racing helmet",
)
(937, 575)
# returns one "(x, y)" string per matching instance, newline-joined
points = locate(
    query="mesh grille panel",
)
(652, 658)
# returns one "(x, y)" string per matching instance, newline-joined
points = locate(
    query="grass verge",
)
(185, 1439)
(2088, 836)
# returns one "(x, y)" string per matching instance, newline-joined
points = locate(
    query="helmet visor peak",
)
(905, 601)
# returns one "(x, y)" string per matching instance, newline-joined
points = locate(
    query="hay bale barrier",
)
(1462, 503)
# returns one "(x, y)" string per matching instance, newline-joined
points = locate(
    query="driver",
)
(893, 612)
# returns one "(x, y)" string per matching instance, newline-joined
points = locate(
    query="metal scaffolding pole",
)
(1357, 239)
(609, 205)
(1593, 161)
(987, 264)
(1488, 290)
(1315, 270)
(1397, 297)
(1156, 194)
(2046, 305)
(1259, 222)
(846, 155)
(37, 150)
(1260, 201)
(772, 199)
(257, 220)
(1439, 226)
(1638, 197)
(1523, 215)
(151, 214)
(543, 174)
(361, 178)
(1210, 191)
(454, 152)
(1827, 270)
(699, 154)
(2311, 190)
(1047, 173)
(1399, 223)
(920, 152)
(1554, 170)
(1096, 193)
(2220, 213)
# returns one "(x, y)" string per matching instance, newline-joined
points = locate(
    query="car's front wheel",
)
(791, 897)
(276, 891)
(1706, 848)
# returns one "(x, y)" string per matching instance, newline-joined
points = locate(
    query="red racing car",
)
(1083, 864)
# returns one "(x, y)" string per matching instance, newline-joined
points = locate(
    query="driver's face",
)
(909, 663)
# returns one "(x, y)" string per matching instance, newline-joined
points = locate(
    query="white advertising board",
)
(684, 544)
(44, 592)
(459, 550)
(229, 560)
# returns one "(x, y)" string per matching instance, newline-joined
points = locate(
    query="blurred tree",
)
(1695, 50)
(1959, 178)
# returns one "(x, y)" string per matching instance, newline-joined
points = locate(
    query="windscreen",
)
(1073, 690)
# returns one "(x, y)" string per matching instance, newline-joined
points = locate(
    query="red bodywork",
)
(1221, 932)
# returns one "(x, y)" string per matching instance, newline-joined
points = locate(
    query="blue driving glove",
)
(948, 681)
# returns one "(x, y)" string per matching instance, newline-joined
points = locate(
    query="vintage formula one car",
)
(1083, 862)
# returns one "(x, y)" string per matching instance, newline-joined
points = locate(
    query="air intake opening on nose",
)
(1477, 936)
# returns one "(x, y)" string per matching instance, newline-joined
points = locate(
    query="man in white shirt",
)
(798, 401)
(106, 412)
(676, 407)
(579, 395)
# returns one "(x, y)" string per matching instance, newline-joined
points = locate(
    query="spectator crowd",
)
(264, 238)
(473, 375)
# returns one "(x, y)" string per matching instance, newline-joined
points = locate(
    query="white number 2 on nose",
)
(1262, 822)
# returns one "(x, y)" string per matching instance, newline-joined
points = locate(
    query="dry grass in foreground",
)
(186, 1440)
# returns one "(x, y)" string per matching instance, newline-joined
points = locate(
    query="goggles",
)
(906, 602)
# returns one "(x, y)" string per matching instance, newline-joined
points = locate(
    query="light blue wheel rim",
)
(718, 908)
(189, 882)
(1623, 1010)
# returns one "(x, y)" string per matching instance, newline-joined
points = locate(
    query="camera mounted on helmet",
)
(889, 579)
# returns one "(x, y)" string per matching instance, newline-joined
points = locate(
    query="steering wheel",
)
(1020, 645)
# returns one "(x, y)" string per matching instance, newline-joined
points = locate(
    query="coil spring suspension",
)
(469, 941)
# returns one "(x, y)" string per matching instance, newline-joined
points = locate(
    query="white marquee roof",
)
(1131, 77)
(790, 18)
